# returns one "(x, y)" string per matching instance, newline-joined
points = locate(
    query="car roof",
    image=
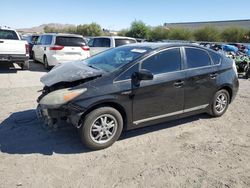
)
(63, 34)
(115, 37)
(159, 45)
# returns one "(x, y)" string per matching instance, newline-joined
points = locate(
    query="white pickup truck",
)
(13, 49)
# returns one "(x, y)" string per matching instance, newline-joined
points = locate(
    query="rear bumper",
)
(14, 57)
(56, 59)
(235, 89)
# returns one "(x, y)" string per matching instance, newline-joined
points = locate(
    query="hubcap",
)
(103, 129)
(221, 103)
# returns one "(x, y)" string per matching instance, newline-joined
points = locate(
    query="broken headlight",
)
(60, 97)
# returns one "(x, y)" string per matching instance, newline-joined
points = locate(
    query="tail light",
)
(85, 48)
(56, 48)
(27, 48)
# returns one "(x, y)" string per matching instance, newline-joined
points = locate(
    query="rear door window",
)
(163, 62)
(197, 58)
(8, 34)
(120, 42)
(70, 41)
(101, 42)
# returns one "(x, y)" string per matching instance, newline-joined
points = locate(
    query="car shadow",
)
(37, 67)
(158, 127)
(23, 133)
(6, 67)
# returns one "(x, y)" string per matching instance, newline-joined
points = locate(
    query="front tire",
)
(101, 128)
(220, 103)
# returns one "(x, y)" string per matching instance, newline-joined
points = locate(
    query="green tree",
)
(92, 29)
(123, 32)
(180, 34)
(234, 34)
(207, 34)
(158, 33)
(138, 29)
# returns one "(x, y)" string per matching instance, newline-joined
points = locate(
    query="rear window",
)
(8, 34)
(120, 42)
(101, 42)
(70, 41)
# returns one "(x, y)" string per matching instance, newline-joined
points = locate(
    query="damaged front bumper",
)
(70, 113)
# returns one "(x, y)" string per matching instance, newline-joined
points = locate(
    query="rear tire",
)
(219, 103)
(46, 64)
(101, 128)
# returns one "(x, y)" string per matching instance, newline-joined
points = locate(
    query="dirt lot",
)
(192, 152)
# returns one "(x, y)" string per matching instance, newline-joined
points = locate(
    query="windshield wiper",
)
(94, 67)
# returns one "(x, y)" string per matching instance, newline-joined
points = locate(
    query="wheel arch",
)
(228, 89)
(112, 104)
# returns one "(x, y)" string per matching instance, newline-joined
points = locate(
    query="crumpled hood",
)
(69, 72)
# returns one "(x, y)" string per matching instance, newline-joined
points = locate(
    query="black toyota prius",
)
(134, 86)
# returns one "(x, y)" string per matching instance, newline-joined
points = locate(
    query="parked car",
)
(31, 39)
(137, 85)
(100, 44)
(12, 48)
(53, 49)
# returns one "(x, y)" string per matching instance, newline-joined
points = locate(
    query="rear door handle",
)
(179, 84)
(213, 75)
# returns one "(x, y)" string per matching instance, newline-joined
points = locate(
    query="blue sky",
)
(118, 14)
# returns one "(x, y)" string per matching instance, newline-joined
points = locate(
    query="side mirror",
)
(143, 74)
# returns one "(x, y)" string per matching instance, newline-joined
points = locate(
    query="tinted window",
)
(91, 42)
(70, 41)
(43, 40)
(101, 42)
(166, 61)
(39, 40)
(48, 40)
(197, 58)
(8, 34)
(120, 42)
(128, 73)
(215, 57)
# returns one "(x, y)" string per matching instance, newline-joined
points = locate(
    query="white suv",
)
(52, 49)
(100, 44)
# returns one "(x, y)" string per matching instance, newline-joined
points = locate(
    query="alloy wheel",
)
(221, 102)
(103, 129)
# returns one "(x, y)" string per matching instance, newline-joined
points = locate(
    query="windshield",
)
(115, 58)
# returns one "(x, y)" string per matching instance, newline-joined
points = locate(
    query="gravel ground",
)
(198, 151)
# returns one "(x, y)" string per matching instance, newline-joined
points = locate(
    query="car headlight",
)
(60, 97)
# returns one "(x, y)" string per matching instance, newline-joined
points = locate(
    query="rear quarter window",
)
(8, 34)
(120, 42)
(215, 57)
(70, 41)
